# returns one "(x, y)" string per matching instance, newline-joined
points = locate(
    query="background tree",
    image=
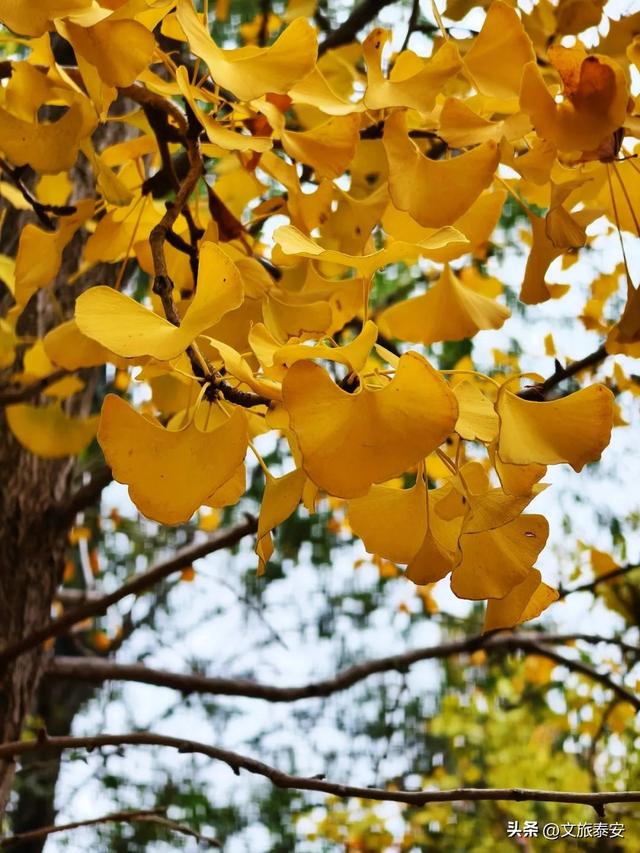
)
(275, 216)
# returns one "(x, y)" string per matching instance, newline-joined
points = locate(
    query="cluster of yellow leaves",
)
(431, 148)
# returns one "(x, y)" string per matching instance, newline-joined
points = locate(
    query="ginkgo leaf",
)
(48, 431)
(498, 55)
(417, 91)
(595, 101)
(170, 473)
(32, 19)
(354, 354)
(431, 562)
(229, 493)
(516, 479)
(350, 441)
(434, 192)
(316, 91)
(218, 134)
(294, 242)
(67, 347)
(477, 419)
(118, 49)
(574, 429)
(250, 72)
(47, 147)
(39, 255)
(280, 499)
(448, 311)
(493, 562)
(127, 328)
(525, 601)
(477, 225)
(391, 522)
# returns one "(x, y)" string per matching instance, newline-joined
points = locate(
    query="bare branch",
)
(146, 815)
(618, 572)
(238, 762)
(98, 670)
(349, 29)
(540, 391)
(224, 539)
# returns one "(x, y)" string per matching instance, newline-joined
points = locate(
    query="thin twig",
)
(238, 762)
(590, 586)
(140, 583)
(147, 815)
(98, 670)
(42, 211)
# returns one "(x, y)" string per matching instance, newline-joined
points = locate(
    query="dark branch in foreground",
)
(143, 815)
(140, 583)
(539, 392)
(238, 762)
(98, 670)
(42, 211)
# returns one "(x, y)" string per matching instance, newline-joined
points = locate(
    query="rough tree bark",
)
(33, 530)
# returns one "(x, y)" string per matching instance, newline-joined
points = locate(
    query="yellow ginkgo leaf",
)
(417, 91)
(350, 441)
(127, 328)
(67, 347)
(491, 563)
(596, 96)
(431, 562)
(47, 147)
(250, 72)
(574, 429)
(391, 522)
(39, 254)
(354, 354)
(448, 311)
(118, 50)
(316, 91)
(229, 493)
(288, 315)
(477, 420)
(281, 497)
(170, 473)
(497, 57)
(48, 431)
(218, 134)
(434, 192)
(477, 225)
(525, 601)
(516, 479)
(32, 19)
(294, 242)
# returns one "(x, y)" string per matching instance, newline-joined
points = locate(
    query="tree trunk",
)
(33, 531)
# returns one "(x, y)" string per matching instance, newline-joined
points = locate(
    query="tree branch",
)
(98, 670)
(147, 815)
(42, 211)
(184, 557)
(539, 392)
(88, 493)
(349, 29)
(590, 586)
(237, 762)
(22, 393)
